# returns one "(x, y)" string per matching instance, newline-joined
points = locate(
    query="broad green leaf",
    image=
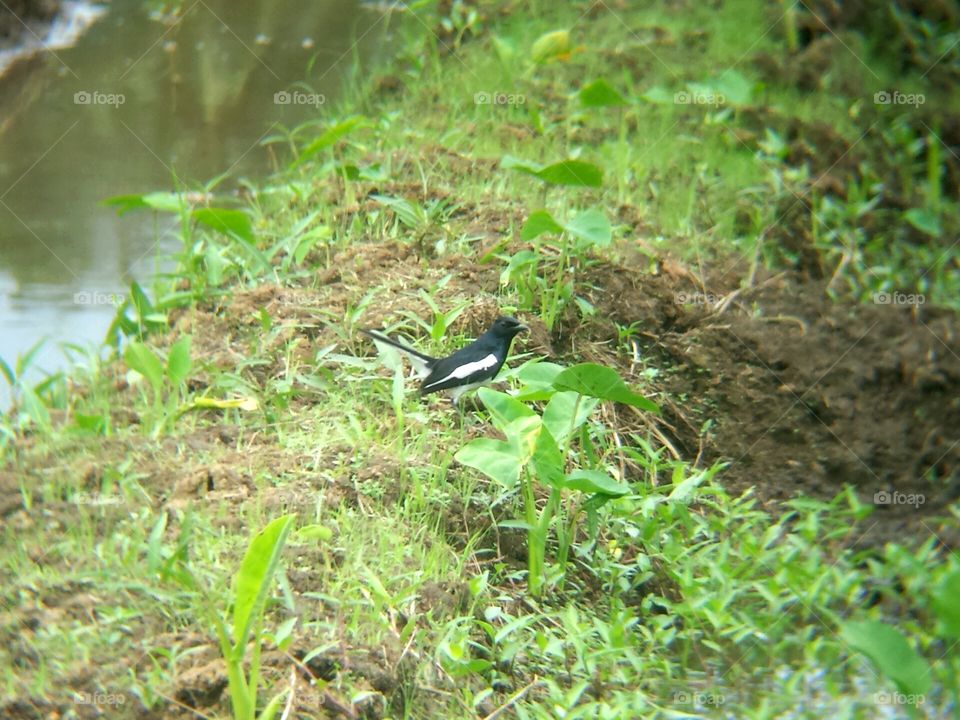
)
(547, 461)
(331, 135)
(890, 652)
(410, 213)
(591, 225)
(946, 605)
(558, 414)
(522, 434)
(142, 359)
(497, 459)
(735, 88)
(537, 374)
(164, 201)
(315, 532)
(178, 361)
(572, 172)
(551, 46)
(601, 382)
(310, 240)
(503, 408)
(595, 481)
(509, 162)
(33, 407)
(537, 378)
(658, 96)
(923, 220)
(229, 222)
(538, 223)
(518, 261)
(252, 582)
(565, 172)
(505, 48)
(600, 93)
(141, 303)
(683, 491)
(96, 424)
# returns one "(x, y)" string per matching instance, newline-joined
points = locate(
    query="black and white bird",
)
(469, 367)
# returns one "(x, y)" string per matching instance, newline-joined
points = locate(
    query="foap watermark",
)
(99, 698)
(892, 497)
(498, 98)
(898, 698)
(96, 499)
(92, 297)
(883, 97)
(699, 699)
(898, 298)
(698, 97)
(95, 97)
(284, 97)
(696, 298)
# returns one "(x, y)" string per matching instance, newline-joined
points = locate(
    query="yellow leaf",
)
(551, 46)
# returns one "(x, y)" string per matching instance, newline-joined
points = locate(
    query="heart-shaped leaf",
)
(601, 382)
(229, 222)
(547, 461)
(503, 408)
(923, 220)
(558, 414)
(178, 361)
(946, 606)
(600, 93)
(572, 172)
(565, 172)
(497, 459)
(595, 481)
(537, 224)
(142, 359)
(591, 225)
(890, 652)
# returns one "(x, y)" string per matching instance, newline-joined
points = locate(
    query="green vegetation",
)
(552, 554)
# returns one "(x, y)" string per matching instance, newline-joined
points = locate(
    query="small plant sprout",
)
(251, 587)
(146, 364)
(549, 449)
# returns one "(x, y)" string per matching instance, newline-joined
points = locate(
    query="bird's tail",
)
(421, 362)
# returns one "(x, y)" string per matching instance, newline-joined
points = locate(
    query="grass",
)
(676, 599)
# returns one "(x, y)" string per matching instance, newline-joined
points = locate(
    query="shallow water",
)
(138, 101)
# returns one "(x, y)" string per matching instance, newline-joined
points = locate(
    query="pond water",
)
(143, 98)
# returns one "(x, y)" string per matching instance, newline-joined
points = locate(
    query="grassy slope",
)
(694, 604)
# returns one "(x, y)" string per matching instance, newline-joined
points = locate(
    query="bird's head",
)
(506, 326)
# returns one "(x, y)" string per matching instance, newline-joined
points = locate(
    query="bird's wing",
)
(457, 370)
(422, 363)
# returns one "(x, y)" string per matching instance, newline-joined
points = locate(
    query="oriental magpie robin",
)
(469, 367)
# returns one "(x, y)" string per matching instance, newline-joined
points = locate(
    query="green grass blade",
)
(252, 581)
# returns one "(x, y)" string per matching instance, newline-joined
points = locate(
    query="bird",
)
(469, 367)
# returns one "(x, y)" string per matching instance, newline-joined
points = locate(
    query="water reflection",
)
(137, 102)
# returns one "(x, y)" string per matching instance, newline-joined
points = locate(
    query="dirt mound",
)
(806, 394)
(802, 394)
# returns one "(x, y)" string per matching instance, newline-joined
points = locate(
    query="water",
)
(138, 101)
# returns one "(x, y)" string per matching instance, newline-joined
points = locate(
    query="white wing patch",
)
(467, 370)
